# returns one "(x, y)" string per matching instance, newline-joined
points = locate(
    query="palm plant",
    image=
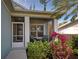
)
(44, 3)
(32, 7)
(65, 5)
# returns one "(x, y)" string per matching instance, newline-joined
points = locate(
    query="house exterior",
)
(69, 27)
(18, 27)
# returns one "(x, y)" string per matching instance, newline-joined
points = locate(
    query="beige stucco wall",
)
(69, 29)
(38, 20)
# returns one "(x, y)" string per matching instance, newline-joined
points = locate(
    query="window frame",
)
(36, 25)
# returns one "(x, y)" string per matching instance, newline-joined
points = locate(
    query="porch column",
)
(27, 30)
(50, 28)
(55, 25)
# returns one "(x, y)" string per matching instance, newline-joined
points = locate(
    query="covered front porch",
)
(26, 29)
(22, 29)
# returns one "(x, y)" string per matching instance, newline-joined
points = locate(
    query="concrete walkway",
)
(17, 54)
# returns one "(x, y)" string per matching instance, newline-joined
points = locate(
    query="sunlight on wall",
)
(70, 30)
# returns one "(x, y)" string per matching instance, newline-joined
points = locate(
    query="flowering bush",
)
(59, 47)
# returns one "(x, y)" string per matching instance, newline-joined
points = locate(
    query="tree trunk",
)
(45, 7)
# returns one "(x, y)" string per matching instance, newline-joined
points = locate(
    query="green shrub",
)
(38, 50)
(73, 43)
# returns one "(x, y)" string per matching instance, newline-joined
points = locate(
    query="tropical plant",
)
(38, 50)
(59, 46)
(44, 3)
(32, 7)
(64, 6)
(73, 43)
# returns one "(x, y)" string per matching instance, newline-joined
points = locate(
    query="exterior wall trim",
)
(6, 7)
(55, 25)
(27, 30)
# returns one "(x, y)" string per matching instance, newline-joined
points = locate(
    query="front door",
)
(17, 34)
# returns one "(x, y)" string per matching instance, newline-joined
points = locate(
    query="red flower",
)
(54, 34)
(63, 38)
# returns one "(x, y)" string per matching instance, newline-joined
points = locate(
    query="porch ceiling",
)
(32, 14)
(40, 14)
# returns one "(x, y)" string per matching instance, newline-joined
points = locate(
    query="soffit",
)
(9, 5)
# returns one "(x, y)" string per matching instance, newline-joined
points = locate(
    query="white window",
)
(37, 31)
